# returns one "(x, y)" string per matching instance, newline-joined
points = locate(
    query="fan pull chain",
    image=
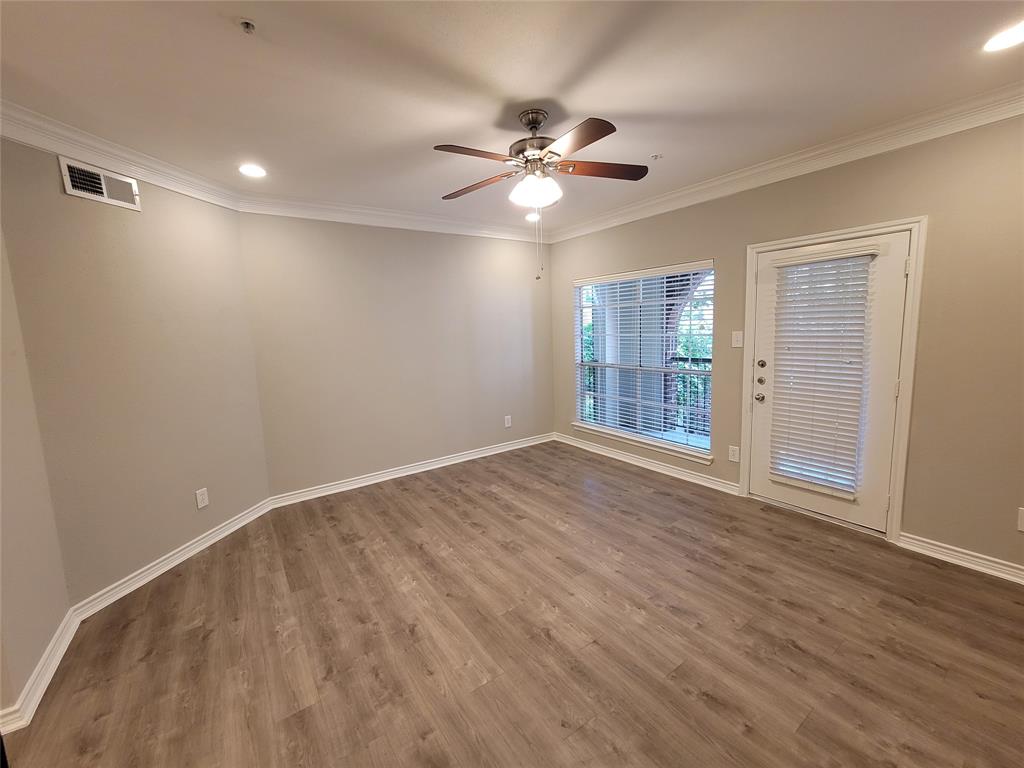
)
(539, 230)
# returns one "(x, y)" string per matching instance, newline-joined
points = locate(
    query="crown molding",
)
(27, 127)
(377, 217)
(35, 130)
(963, 115)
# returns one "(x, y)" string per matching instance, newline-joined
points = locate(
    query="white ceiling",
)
(342, 102)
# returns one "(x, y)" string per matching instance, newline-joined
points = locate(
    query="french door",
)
(827, 341)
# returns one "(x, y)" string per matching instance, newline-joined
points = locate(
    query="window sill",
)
(690, 454)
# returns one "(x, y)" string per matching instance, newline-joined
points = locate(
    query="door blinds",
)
(820, 366)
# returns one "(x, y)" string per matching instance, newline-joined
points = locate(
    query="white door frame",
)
(917, 227)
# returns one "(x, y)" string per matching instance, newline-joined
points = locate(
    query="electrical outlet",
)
(1020, 519)
(508, 422)
(737, 338)
(202, 498)
(734, 453)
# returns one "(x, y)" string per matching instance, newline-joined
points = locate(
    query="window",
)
(643, 354)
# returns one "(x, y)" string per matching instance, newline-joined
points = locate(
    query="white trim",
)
(973, 560)
(849, 233)
(746, 406)
(664, 446)
(294, 497)
(974, 112)
(650, 443)
(965, 557)
(917, 227)
(905, 383)
(379, 217)
(105, 597)
(656, 466)
(673, 269)
(36, 130)
(21, 712)
(161, 565)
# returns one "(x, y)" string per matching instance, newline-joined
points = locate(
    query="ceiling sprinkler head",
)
(248, 26)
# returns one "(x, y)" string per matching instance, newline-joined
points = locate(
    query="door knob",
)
(759, 397)
(762, 363)
(760, 379)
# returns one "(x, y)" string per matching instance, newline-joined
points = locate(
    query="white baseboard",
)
(656, 466)
(965, 557)
(147, 573)
(21, 712)
(294, 497)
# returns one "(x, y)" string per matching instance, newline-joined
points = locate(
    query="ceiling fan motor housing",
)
(529, 149)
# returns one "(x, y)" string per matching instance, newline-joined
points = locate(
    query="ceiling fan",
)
(538, 159)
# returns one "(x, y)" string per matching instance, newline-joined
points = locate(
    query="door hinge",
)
(888, 502)
(897, 389)
(906, 267)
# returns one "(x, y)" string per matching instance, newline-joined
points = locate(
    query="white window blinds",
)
(820, 366)
(643, 355)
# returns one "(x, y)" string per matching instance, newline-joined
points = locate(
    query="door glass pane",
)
(820, 370)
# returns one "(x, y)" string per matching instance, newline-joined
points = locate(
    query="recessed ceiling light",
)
(253, 170)
(533, 216)
(1006, 39)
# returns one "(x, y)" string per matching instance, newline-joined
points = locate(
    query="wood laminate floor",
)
(544, 607)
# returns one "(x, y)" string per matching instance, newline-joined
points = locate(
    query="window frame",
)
(690, 453)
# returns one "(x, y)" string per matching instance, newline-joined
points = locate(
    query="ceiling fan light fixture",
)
(536, 190)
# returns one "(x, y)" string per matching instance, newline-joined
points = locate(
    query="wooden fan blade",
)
(479, 185)
(475, 153)
(604, 170)
(584, 134)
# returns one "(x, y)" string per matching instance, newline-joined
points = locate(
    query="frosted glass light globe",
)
(536, 192)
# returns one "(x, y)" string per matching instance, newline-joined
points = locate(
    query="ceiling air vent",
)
(88, 181)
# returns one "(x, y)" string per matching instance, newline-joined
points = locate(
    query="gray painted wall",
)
(156, 337)
(189, 346)
(965, 476)
(142, 366)
(381, 347)
(33, 594)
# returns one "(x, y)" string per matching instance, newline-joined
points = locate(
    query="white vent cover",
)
(92, 183)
